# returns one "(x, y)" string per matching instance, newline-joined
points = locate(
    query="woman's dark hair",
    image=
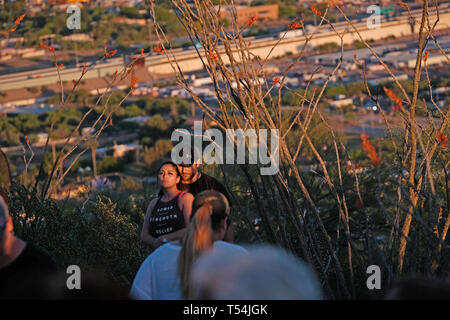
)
(179, 185)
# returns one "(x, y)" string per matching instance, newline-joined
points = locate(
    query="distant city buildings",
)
(244, 13)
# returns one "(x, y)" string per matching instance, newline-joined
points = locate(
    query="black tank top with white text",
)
(166, 217)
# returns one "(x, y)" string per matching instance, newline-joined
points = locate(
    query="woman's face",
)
(168, 176)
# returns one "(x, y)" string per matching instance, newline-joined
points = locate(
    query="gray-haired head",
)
(265, 273)
(4, 212)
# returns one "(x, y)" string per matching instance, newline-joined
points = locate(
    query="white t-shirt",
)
(157, 278)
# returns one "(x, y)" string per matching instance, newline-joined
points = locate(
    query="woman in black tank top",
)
(168, 215)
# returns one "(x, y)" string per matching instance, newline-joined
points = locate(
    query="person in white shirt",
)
(165, 274)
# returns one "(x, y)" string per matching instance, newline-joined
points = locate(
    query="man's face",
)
(187, 171)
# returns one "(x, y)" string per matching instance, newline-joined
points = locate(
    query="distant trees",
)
(133, 111)
(333, 91)
(328, 47)
(5, 171)
(96, 20)
(170, 23)
(156, 153)
(130, 12)
(11, 129)
(109, 164)
(92, 236)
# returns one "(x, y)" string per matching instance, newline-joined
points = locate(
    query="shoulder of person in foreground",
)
(26, 277)
(38, 259)
(265, 273)
(229, 248)
(141, 288)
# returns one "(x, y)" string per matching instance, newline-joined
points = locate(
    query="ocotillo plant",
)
(394, 212)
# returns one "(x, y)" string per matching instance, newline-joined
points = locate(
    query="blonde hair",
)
(211, 207)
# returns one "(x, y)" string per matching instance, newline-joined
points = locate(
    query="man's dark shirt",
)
(23, 278)
(203, 183)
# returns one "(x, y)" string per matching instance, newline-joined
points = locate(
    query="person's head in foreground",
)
(265, 273)
(23, 267)
(419, 288)
(209, 223)
(3, 222)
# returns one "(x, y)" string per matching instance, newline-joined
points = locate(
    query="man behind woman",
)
(167, 215)
(165, 273)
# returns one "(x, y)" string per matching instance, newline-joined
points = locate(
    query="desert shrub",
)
(95, 235)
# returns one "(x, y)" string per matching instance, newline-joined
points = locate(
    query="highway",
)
(108, 66)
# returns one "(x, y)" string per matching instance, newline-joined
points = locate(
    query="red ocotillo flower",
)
(74, 82)
(60, 66)
(110, 53)
(19, 19)
(295, 25)
(134, 81)
(131, 68)
(316, 11)
(212, 55)
(115, 74)
(142, 51)
(251, 21)
(17, 22)
(425, 56)
(26, 140)
(49, 48)
(110, 121)
(398, 102)
(370, 149)
(84, 69)
(159, 49)
(442, 139)
(275, 81)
